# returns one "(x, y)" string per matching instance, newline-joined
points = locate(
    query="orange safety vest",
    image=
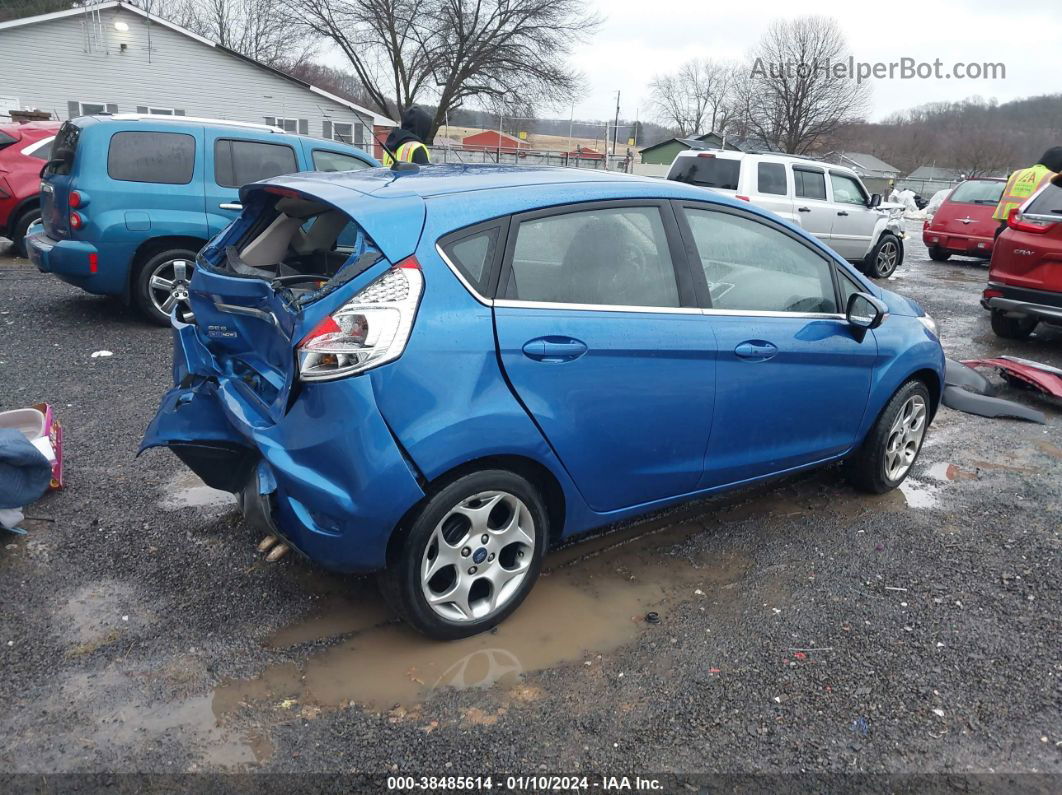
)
(405, 152)
(1022, 184)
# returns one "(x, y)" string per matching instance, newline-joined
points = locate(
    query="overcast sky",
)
(640, 39)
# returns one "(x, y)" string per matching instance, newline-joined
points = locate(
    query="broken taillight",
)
(371, 329)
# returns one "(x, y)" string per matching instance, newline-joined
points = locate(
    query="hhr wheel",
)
(937, 254)
(470, 556)
(892, 446)
(885, 258)
(162, 284)
(1012, 328)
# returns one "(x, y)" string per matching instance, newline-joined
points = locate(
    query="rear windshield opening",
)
(978, 191)
(288, 237)
(6, 140)
(707, 172)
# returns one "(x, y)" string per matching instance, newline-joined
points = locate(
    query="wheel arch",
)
(932, 381)
(29, 203)
(538, 474)
(156, 245)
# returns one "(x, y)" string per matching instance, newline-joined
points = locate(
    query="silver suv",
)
(828, 201)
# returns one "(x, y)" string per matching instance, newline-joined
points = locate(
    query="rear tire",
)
(1012, 328)
(442, 554)
(937, 254)
(885, 257)
(18, 234)
(892, 446)
(161, 278)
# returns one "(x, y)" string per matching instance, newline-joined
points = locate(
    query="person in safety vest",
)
(407, 141)
(1024, 182)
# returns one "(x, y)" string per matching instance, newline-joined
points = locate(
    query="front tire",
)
(18, 234)
(937, 254)
(885, 257)
(162, 284)
(891, 448)
(1012, 328)
(470, 555)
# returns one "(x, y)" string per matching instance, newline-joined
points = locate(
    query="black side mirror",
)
(864, 312)
(875, 200)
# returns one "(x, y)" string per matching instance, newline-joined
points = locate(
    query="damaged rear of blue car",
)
(437, 374)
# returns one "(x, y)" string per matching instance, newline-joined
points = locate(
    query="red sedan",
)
(24, 149)
(1025, 279)
(964, 224)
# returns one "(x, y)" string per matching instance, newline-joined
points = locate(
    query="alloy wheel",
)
(888, 254)
(905, 437)
(168, 287)
(477, 556)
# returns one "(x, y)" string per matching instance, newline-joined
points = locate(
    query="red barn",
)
(493, 141)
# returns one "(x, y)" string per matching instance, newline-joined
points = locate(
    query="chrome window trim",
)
(767, 313)
(511, 303)
(461, 277)
(1052, 219)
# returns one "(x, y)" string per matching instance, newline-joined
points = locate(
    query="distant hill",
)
(974, 136)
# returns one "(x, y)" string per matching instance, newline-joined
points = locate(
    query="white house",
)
(114, 57)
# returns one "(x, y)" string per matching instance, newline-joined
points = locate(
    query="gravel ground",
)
(802, 627)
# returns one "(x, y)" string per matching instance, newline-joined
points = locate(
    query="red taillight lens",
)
(743, 198)
(705, 154)
(990, 293)
(75, 199)
(1023, 224)
(326, 326)
(94, 262)
(76, 221)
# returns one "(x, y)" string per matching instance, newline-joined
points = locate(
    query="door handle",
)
(554, 349)
(803, 209)
(842, 212)
(230, 206)
(755, 350)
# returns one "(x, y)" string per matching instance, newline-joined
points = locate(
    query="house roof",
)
(864, 162)
(932, 172)
(377, 119)
(689, 143)
(495, 135)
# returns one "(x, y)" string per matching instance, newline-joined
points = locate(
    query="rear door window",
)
(613, 256)
(240, 162)
(63, 149)
(42, 151)
(707, 171)
(810, 183)
(771, 178)
(156, 157)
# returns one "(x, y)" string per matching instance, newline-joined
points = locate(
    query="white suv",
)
(829, 201)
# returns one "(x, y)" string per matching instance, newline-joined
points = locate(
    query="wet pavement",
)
(799, 625)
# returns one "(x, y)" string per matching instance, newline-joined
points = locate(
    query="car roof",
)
(30, 129)
(453, 178)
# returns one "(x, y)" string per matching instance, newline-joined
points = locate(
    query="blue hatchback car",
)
(127, 200)
(499, 358)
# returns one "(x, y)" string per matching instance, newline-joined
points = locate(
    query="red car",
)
(1025, 279)
(24, 149)
(964, 223)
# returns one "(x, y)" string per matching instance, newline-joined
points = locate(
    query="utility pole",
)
(615, 129)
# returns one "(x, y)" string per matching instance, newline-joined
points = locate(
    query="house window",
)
(345, 132)
(91, 108)
(161, 111)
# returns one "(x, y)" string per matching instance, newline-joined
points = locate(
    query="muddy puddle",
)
(592, 598)
(186, 490)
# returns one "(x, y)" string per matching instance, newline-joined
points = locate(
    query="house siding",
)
(47, 65)
(663, 155)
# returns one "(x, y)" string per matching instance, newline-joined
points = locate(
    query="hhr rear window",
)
(156, 157)
(707, 172)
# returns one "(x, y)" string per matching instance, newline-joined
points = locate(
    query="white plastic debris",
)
(99, 354)
(939, 713)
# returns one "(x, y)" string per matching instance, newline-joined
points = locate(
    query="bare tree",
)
(260, 29)
(450, 52)
(791, 93)
(697, 98)
(17, 9)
